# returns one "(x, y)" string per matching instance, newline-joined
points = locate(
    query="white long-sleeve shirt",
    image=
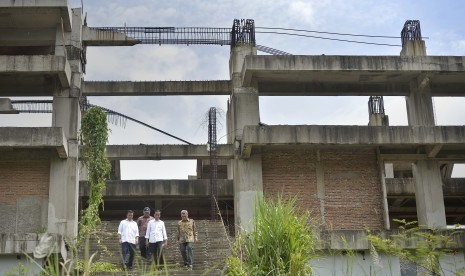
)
(156, 231)
(128, 231)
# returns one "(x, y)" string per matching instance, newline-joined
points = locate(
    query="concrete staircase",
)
(210, 251)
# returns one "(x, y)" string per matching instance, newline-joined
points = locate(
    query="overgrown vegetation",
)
(94, 137)
(282, 241)
(423, 247)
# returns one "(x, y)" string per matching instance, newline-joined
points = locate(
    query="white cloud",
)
(303, 11)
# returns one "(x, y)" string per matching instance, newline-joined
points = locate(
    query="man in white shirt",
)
(128, 233)
(156, 239)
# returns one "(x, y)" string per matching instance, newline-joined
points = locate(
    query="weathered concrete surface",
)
(357, 239)
(165, 188)
(6, 107)
(165, 152)
(97, 37)
(22, 243)
(428, 194)
(414, 48)
(31, 213)
(28, 37)
(453, 187)
(453, 136)
(63, 210)
(155, 88)
(244, 109)
(38, 69)
(351, 75)
(37, 14)
(34, 137)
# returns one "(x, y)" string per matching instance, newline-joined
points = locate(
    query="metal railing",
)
(175, 35)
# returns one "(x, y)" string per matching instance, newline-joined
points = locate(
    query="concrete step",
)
(209, 253)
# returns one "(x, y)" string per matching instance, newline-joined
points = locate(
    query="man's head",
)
(184, 215)
(157, 214)
(129, 215)
(146, 212)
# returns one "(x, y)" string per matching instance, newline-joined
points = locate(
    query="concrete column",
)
(378, 120)
(385, 171)
(243, 110)
(64, 173)
(428, 194)
(419, 102)
(420, 110)
(414, 48)
(248, 183)
(158, 204)
(427, 176)
(320, 184)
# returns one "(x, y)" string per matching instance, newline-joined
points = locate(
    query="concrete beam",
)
(6, 107)
(28, 37)
(165, 188)
(155, 88)
(27, 85)
(400, 136)
(403, 187)
(166, 152)
(352, 75)
(314, 88)
(34, 137)
(432, 151)
(357, 239)
(38, 14)
(98, 37)
(449, 210)
(36, 66)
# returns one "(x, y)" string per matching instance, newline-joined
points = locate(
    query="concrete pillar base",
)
(428, 194)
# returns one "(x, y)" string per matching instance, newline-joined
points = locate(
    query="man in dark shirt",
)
(142, 223)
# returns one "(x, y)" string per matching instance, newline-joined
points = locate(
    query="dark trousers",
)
(155, 251)
(186, 252)
(128, 253)
(143, 249)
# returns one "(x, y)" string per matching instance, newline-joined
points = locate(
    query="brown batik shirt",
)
(142, 223)
(187, 231)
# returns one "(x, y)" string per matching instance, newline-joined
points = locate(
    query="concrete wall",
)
(362, 263)
(11, 264)
(356, 263)
(347, 191)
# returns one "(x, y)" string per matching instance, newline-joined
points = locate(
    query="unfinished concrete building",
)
(351, 177)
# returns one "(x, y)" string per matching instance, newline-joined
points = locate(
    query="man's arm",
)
(179, 234)
(195, 231)
(147, 233)
(120, 232)
(165, 236)
(136, 231)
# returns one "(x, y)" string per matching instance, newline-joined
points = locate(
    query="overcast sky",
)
(184, 116)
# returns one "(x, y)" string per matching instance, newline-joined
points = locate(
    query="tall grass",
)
(282, 241)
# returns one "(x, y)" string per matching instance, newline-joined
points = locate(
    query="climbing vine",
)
(94, 137)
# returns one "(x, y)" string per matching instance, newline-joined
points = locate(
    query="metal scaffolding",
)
(212, 143)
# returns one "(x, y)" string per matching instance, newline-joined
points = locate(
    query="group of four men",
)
(150, 233)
